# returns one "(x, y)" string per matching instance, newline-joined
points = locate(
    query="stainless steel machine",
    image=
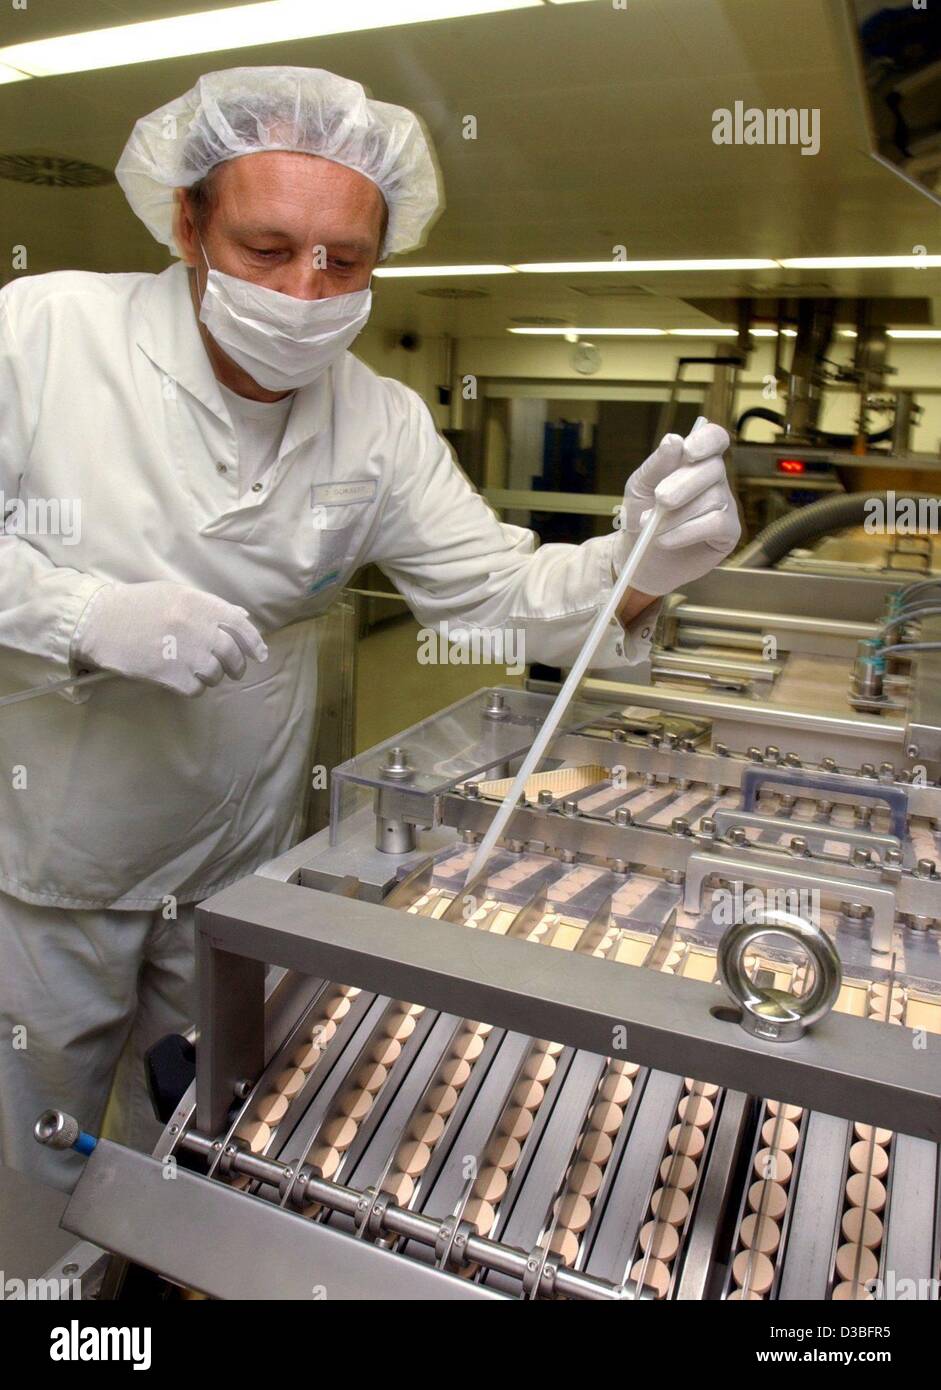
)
(681, 1040)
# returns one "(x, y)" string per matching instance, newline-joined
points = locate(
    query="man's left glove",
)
(701, 526)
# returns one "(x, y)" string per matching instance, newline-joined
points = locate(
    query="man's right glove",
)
(178, 637)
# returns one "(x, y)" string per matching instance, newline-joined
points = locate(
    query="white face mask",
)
(282, 342)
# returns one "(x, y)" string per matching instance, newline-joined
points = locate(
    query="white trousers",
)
(83, 994)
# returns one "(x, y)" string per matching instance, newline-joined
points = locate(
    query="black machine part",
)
(808, 524)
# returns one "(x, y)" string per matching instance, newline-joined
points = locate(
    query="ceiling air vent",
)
(53, 171)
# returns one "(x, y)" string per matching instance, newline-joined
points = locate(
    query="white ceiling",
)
(594, 128)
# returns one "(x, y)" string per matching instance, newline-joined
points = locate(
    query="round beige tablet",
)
(480, 1214)
(867, 1157)
(290, 1082)
(469, 1046)
(573, 1211)
(702, 1088)
(371, 1075)
(308, 1056)
(564, 1244)
(413, 1158)
(596, 1147)
(404, 1029)
(770, 1198)
(696, 1110)
(859, 1193)
(256, 1135)
(503, 1152)
(528, 1094)
(655, 1275)
(606, 1116)
(659, 1240)
(585, 1178)
(413, 1009)
(491, 1184)
(773, 1166)
(670, 1204)
(539, 1067)
(442, 1099)
(339, 1132)
(272, 1109)
(427, 1127)
(787, 1112)
(393, 1024)
(553, 1048)
(851, 1293)
(883, 1136)
(760, 1233)
(677, 1170)
(399, 1187)
(856, 1264)
(325, 1159)
(386, 1051)
(687, 1139)
(516, 1123)
(628, 1069)
(780, 1135)
(355, 1103)
(752, 1270)
(862, 1227)
(617, 1088)
(737, 1295)
(454, 1072)
(337, 1007)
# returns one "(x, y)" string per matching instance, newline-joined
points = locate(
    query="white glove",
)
(178, 637)
(702, 525)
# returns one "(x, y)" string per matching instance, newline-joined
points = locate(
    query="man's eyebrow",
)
(333, 243)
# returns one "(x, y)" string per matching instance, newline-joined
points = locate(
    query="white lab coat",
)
(107, 399)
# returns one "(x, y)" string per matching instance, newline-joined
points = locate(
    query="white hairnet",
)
(244, 110)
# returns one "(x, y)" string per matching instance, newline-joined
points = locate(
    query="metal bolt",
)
(721, 750)
(792, 760)
(545, 798)
(654, 740)
(926, 868)
(472, 789)
(623, 816)
(243, 1089)
(570, 806)
(862, 858)
(912, 750)
(756, 755)
(674, 876)
(828, 764)
(397, 766)
(737, 836)
(799, 846)
(680, 826)
(887, 772)
(495, 706)
(868, 770)
(772, 754)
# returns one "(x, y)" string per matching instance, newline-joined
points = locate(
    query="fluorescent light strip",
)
(913, 335)
(605, 267)
(858, 262)
(591, 332)
(8, 74)
(241, 26)
(403, 272)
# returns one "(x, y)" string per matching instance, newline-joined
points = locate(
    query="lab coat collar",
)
(169, 335)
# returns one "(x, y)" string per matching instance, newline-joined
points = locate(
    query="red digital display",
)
(791, 465)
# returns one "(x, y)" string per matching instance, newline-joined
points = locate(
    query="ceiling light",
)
(240, 26)
(8, 74)
(402, 272)
(592, 332)
(858, 262)
(914, 334)
(704, 332)
(604, 267)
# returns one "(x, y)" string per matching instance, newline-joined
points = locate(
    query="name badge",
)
(335, 494)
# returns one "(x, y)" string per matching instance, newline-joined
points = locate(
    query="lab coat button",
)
(646, 632)
(257, 487)
(221, 468)
(619, 648)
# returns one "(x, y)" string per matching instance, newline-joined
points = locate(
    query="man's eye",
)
(264, 251)
(342, 265)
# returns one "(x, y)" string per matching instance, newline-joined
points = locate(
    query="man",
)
(234, 465)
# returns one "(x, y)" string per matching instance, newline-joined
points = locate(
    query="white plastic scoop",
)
(564, 698)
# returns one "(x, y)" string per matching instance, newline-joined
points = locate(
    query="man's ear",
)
(184, 228)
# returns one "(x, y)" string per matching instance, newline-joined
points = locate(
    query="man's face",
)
(294, 223)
